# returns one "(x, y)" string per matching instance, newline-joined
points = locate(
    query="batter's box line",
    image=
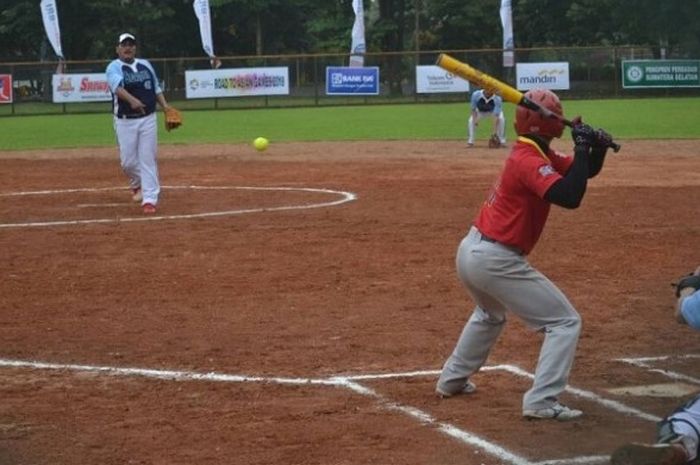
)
(351, 382)
(648, 363)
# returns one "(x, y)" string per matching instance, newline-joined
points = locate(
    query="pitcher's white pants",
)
(500, 125)
(501, 280)
(138, 146)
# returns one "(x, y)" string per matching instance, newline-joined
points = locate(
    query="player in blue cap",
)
(136, 92)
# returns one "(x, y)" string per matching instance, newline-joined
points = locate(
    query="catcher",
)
(688, 304)
(676, 443)
(678, 434)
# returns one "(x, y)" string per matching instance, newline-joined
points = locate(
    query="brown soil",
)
(364, 287)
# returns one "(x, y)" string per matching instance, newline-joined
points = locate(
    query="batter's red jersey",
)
(515, 211)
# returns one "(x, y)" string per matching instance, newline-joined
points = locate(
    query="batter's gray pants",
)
(500, 279)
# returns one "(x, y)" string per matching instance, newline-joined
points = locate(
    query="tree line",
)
(169, 28)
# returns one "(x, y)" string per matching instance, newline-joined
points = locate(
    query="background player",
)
(492, 264)
(485, 104)
(135, 91)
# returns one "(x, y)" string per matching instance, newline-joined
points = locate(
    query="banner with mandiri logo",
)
(237, 82)
(431, 79)
(553, 76)
(91, 87)
(341, 80)
(5, 88)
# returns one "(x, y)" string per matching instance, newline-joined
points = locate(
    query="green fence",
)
(595, 72)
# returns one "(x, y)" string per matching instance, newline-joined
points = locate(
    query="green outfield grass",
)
(672, 118)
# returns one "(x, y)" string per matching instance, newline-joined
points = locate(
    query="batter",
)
(492, 258)
(135, 92)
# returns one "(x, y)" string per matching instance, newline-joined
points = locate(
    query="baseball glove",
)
(691, 280)
(494, 142)
(173, 118)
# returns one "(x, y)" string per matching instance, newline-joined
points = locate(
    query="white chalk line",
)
(350, 382)
(345, 197)
(648, 364)
(102, 205)
(428, 420)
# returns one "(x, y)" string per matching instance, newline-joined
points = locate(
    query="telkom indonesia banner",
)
(49, 14)
(433, 79)
(5, 88)
(554, 76)
(237, 82)
(80, 88)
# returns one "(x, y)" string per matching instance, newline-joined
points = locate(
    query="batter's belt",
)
(486, 238)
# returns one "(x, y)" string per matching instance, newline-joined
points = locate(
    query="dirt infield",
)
(243, 326)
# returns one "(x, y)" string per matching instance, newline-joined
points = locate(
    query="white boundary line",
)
(345, 197)
(350, 382)
(646, 363)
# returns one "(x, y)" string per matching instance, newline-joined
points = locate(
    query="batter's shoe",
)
(136, 194)
(649, 454)
(556, 411)
(469, 388)
(149, 208)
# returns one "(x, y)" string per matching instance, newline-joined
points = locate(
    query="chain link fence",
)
(594, 72)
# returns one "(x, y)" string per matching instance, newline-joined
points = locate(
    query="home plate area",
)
(386, 390)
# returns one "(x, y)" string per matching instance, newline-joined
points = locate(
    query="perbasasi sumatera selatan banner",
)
(660, 73)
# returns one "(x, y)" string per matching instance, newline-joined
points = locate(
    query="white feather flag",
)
(508, 43)
(49, 14)
(201, 9)
(358, 47)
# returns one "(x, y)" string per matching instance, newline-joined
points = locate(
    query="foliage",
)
(167, 28)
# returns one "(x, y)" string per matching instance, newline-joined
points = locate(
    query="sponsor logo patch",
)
(546, 170)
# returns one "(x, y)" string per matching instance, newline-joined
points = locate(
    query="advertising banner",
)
(5, 88)
(660, 73)
(432, 79)
(553, 76)
(80, 88)
(342, 80)
(237, 82)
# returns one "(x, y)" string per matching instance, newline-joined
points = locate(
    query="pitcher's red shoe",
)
(149, 208)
